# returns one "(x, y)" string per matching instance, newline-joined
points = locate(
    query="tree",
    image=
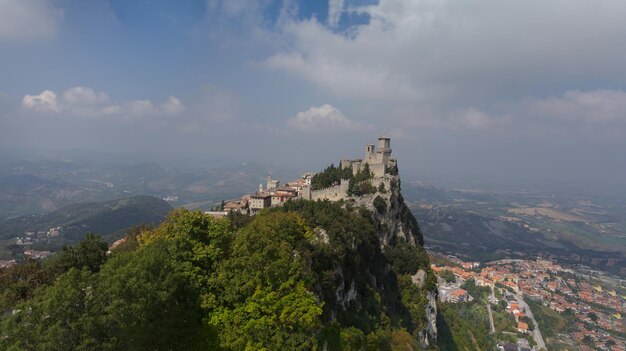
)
(90, 253)
(380, 205)
(137, 301)
(264, 301)
(406, 258)
(19, 282)
(381, 188)
(352, 339)
(448, 276)
(331, 175)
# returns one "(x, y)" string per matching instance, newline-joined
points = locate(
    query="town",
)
(542, 299)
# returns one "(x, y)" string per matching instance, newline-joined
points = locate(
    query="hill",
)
(343, 275)
(37, 185)
(488, 225)
(110, 219)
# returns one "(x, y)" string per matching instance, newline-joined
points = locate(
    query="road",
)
(536, 332)
(493, 328)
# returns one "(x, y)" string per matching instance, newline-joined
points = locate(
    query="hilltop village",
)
(377, 160)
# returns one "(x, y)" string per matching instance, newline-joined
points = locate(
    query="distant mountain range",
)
(36, 186)
(109, 219)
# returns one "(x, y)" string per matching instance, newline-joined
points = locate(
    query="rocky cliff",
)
(396, 225)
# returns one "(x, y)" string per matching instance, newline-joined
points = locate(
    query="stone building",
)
(378, 159)
(272, 183)
(259, 202)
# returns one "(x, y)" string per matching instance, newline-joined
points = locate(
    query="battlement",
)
(333, 193)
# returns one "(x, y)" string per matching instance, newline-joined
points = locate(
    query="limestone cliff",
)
(396, 223)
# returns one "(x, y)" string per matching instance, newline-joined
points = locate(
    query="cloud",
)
(599, 106)
(325, 118)
(173, 106)
(451, 51)
(596, 115)
(335, 9)
(84, 96)
(85, 102)
(28, 19)
(45, 102)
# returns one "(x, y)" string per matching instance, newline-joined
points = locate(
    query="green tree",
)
(138, 301)
(331, 175)
(380, 205)
(264, 301)
(448, 276)
(352, 339)
(90, 253)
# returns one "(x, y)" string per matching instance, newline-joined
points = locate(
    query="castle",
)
(380, 164)
(378, 159)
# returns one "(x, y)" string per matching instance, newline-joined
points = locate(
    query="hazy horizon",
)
(502, 92)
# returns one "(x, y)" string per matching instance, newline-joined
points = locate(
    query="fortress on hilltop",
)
(377, 158)
(379, 162)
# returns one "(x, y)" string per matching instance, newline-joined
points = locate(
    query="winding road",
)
(536, 332)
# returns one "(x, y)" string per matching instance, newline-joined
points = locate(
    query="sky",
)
(503, 91)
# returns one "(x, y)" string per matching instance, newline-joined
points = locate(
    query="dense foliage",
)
(330, 176)
(463, 326)
(359, 182)
(307, 275)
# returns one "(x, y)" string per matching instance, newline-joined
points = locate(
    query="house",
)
(458, 295)
(34, 254)
(522, 327)
(260, 201)
(237, 206)
(278, 198)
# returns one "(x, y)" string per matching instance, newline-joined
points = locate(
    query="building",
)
(272, 184)
(458, 295)
(35, 255)
(279, 198)
(522, 327)
(260, 201)
(379, 159)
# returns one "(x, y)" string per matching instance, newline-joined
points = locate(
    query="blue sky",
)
(490, 90)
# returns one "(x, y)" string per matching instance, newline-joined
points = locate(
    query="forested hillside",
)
(308, 275)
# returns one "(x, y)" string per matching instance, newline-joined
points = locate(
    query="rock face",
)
(396, 220)
(428, 335)
(397, 223)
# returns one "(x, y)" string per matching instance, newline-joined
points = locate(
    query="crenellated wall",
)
(333, 193)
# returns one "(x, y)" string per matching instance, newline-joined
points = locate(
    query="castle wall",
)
(378, 169)
(334, 193)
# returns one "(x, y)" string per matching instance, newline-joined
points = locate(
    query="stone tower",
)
(384, 150)
(370, 154)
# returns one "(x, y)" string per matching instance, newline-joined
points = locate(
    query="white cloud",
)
(84, 96)
(325, 118)
(335, 9)
(450, 50)
(140, 108)
(173, 106)
(28, 19)
(595, 115)
(46, 102)
(599, 106)
(474, 118)
(85, 102)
